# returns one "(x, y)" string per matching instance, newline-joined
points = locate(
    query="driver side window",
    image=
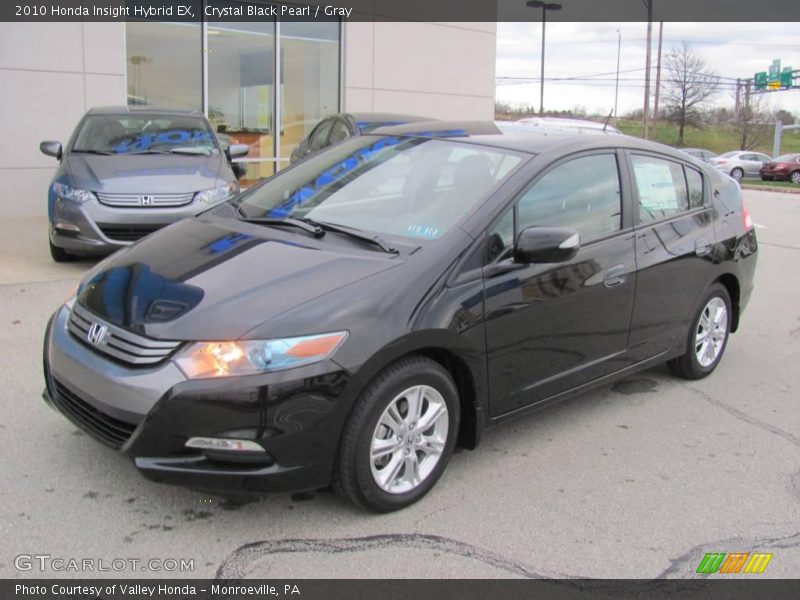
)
(583, 194)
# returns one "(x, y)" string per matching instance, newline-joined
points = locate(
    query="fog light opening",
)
(224, 445)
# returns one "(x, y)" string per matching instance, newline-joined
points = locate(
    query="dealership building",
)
(52, 72)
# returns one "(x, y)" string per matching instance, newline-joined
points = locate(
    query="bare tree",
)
(689, 83)
(752, 124)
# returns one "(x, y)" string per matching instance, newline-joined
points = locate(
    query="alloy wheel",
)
(796, 177)
(409, 439)
(712, 329)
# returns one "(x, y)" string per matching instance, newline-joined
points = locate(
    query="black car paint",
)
(514, 339)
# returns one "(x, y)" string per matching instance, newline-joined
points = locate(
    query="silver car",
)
(740, 163)
(128, 171)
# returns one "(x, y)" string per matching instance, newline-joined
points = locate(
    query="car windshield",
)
(787, 158)
(413, 187)
(143, 133)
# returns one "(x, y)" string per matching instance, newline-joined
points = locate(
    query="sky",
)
(730, 50)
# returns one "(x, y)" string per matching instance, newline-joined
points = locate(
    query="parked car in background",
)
(783, 168)
(355, 317)
(339, 127)
(699, 153)
(226, 141)
(128, 171)
(740, 163)
(565, 124)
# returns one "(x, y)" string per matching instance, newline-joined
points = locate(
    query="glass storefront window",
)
(310, 65)
(165, 65)
(241, 81)
(166, 62)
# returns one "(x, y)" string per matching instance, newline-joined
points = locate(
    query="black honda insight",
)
(354, 318)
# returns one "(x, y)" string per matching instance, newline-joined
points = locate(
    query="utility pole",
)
(616, 86)
(738, 99)
(658, 73)
(646, 112)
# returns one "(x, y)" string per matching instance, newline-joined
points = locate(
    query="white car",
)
(572, 125)
(740, 163)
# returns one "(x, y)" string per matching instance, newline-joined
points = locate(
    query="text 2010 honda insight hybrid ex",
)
(353, 319)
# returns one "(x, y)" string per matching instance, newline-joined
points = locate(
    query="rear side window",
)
(662, 188)
(583, 194)
(694, 182)
(319, 137)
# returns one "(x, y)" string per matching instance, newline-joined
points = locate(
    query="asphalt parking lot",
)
(639, 479)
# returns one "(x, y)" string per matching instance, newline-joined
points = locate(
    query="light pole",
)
(545, 6)
(616, 85)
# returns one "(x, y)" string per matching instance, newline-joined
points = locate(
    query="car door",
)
(552, 327)
(674, 251)
(757, 161)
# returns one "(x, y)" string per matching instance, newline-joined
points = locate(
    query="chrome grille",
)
(145, 200)
(116, 342)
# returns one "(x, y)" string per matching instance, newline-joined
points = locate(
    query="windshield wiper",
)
(90, 151)
(146, 152)
(373, 239)
(192, 151)
(316, 230)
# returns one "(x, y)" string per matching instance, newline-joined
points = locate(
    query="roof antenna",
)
(608, 118)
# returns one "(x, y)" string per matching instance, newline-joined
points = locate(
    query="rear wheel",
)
(708, 336)
(795, 177)
(60, 255)
(399, 437)
(737, 174)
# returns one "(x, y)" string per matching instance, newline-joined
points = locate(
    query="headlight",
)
(70, 193)
(217, 194)
(248, 357)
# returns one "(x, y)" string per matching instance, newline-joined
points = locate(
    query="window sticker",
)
(656, 187)
(423, 231)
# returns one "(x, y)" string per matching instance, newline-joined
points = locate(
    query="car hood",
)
(143, 174)
(211, 278)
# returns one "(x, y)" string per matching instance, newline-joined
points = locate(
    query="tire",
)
(387, 482)
(701, 360)
(737, 174)
(795, 177)
(60, 255)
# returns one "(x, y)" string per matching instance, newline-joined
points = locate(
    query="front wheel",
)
(399, 436)
(60, 255)
(737, 174)
(708, 336)
(795, 177)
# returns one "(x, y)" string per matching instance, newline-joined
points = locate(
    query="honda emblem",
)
(96, 334)
(146, 200)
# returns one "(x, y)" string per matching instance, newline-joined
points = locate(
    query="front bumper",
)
(148, 414)
(94, 228)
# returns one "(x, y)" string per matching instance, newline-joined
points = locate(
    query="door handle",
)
(615, 275)
(703, 247)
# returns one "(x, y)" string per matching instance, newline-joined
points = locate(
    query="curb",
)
(767, 188)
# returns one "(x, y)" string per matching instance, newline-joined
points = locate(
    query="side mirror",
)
(237, 150)
(51, 149)
(546, 245)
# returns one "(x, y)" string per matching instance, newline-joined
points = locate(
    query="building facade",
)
(51, 73)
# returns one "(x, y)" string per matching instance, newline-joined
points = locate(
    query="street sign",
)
(787, 75)
(761, 80)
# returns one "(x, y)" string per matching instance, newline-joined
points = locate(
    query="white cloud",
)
(578, 49)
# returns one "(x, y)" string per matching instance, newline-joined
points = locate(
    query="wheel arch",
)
(731, 283)
(466, 365)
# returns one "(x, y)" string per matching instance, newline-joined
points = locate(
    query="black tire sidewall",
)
(715, 291)
(422, 373)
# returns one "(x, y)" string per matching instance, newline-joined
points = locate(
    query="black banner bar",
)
(398, 10)
(732, 588)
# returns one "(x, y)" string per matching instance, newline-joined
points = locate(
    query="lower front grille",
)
(105, 428)
(128, 233)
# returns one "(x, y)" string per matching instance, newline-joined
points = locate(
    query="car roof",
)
(524, 139)
(378, 117)
(564, 122)
(143, 109)
(696, 150)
